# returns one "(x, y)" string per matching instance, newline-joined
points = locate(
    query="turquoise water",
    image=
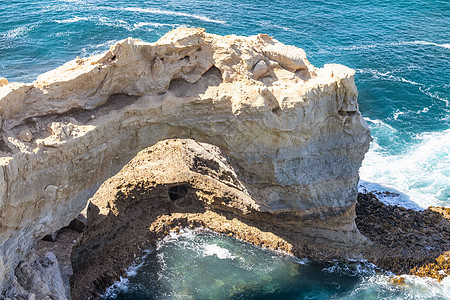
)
(399, 49)
(204, 265)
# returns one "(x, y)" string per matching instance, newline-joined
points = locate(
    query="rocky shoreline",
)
(405, 241)
(240, 135)
(138, 207)
(423, 263)
(175, 184)
(132, 211)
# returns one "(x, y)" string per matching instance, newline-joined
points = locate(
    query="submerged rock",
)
(293, 130)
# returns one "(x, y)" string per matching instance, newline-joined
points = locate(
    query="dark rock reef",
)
(405, 241)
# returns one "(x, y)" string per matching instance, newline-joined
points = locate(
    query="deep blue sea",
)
(401, 53)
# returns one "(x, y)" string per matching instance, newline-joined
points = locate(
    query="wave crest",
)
(17, 32)
(422, 172)
(402, 43)
(165, 12)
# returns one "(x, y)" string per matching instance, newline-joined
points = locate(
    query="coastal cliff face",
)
(293, 131)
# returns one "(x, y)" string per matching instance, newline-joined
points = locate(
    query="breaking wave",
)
(165, 12)
(156, 25)
(72, 20)
(389, 76)
(386, 76)
(381, 287)
(422, 171)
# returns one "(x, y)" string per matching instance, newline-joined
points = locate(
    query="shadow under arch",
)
(142, 204)
(180, 183)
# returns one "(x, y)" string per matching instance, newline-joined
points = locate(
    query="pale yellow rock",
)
(3, 81)
(289, 57)
(296, 131)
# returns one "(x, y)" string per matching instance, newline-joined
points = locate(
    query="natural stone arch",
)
(294, 130)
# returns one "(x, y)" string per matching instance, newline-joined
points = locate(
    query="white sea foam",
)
(123, 283)
(62, 34)
(355, 268)
(57, 7)
(392, 197)
(390, 77)
(155, 24)
(387, 76)
(401, 43)
(268, 24)
(435, 95)
(97, 48)
(422, 173)
(173, 13)
(424, 110)
(398, 113)
(214, 249)
(446, 118)
(118, 23)
(164, 12)
(446, 45)
(17, 32)
(72, 20)
(118, 286)
(381, 287)
(380, 123)
(76, 1)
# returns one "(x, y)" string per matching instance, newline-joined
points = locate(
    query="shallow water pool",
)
(205, 265)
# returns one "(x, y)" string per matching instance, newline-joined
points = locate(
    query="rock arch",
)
(283, 122)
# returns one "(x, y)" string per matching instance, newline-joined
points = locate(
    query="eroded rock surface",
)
(37, 277)
(293, 129)
(3, 81)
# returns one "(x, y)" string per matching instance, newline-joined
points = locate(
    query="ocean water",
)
(204, 265)
(399, 49)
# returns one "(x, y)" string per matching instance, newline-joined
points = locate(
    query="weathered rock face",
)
(294, 130)
(37, 278)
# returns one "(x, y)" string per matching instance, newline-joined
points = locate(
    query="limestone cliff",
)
(293, 130)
